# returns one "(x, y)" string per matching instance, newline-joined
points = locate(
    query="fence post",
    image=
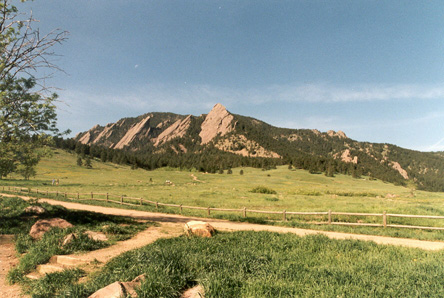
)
(245, 212)
(141, 203)
(121, 199)
(384, 219)
(157, 205)
(180, 209)
(66, 196)
(106, 197)
(284, 215)
(37, 191)
(29, 191)
(46, 192)
(329, 217)
(78, 196)
(92, 196)
(208, 210)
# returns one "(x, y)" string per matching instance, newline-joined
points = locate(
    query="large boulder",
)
(198, 228)
(44, 225)
(119, 289)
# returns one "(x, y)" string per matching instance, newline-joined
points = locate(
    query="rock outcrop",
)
(176, 130)
(132, 133)
(346, 157)
(401, 171)
(44, 225)
(239, 144)
(105, 133)
(340, 134)
(218, 122)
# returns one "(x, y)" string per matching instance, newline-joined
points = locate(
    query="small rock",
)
(68, 239)
(35, 210)
(114, 290)
(120, 289)
(139, 278)
(98, 236)
(194, 292)
(198, 228)
(44, 225)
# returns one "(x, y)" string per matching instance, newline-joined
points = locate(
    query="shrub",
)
(263, 189)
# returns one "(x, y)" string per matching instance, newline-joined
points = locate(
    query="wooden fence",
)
(124, 200)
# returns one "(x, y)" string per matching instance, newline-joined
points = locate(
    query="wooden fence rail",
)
(120, 199)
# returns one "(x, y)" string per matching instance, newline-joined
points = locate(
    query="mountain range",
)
(220, 140)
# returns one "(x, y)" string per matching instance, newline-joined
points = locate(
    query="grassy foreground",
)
(14, 220)
(251, 264)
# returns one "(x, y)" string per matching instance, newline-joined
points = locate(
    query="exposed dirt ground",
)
(7, 261)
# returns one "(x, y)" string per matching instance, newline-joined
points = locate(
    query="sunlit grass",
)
(263, 264)
(296, 190)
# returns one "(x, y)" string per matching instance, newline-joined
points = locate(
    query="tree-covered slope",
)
(220, 140)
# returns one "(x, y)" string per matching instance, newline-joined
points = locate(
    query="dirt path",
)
(233, 226)
(7, 261)
(148, 236)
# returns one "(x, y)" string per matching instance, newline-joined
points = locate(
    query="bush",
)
(263, 189)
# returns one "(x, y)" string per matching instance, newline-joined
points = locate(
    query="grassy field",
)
(241, 264)
(296, 190)
(252, 264)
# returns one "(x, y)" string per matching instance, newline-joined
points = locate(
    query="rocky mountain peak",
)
(218, 121)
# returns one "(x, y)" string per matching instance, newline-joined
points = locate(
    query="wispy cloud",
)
(328, 93)
(172, 97)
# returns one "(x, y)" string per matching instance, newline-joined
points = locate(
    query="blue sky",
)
(374, 69)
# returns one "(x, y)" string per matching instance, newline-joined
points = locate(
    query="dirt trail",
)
(165, 230)
(233, 226)
(7, 261)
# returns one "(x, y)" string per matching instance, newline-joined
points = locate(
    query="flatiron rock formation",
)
(218, 122)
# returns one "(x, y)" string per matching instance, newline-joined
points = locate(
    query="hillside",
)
(221, 140)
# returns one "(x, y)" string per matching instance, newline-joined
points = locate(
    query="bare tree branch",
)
(23, 50)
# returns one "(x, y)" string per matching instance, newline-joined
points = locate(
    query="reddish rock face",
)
(44, 225)
(218, 122)
(199, 228)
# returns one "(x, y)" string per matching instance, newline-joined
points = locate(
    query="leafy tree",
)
(27, 108)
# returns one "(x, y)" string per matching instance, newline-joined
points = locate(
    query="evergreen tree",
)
(88, 162)
(79, 161)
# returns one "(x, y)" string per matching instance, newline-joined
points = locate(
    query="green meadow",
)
(240, 264)
(264, 264)
(295, 190)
